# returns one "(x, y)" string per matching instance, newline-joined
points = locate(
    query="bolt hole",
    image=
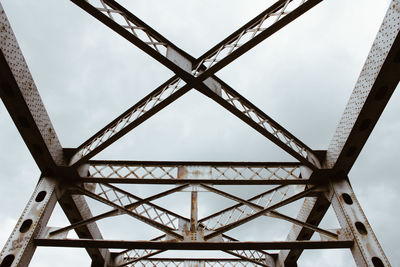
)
(347, 199)
(8, 260)
(380, 94)
(361, 228)
(365, 124)
(40, 196)
(377, 262)
(25, 226)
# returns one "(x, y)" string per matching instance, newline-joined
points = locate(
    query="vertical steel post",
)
(193, 211)
(19, 249)
(366, 250)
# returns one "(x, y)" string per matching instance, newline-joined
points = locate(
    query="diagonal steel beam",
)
(24, 104)
(181, 64)
(260, 257)
(271, 213)
(115, 212)
(129, 256)
(22, 100)
(134, 116)
(284, 201)
(150, 214)
(378, 79)
(261, 122)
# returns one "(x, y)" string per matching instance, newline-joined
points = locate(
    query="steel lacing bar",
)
(100, 169)
(250, 35)
(129, 256)
(271, 213)
(134, 212)
(257, 119)
(99, 140)
(115, 212)
(240, 211)
(186, 262)
(274, 206)
(243, 254)
(259, 257)
(153, 212)
(205, 221)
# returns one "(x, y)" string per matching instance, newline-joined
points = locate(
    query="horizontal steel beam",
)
(215, 262)
(276, 245)
(234, 173)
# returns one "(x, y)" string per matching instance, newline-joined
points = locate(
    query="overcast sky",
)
(302, 77)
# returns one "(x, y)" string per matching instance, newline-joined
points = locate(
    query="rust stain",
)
(182, 171)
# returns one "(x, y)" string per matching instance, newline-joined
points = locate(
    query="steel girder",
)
(322, 181)
(23, 102)
(379, 77)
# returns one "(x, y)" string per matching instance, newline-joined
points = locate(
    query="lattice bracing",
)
(187, 170)
(180, 62)
(136, 207)
(318, 178)
(240, 212)
(127, 120)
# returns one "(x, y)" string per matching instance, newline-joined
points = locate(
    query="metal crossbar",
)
(318, 178)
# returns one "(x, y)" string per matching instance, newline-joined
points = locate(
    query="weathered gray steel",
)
(366, 250)
(23, 102)
(376, 83)
(277, 245)
(321, 182)
(199, 75)
(194, 172)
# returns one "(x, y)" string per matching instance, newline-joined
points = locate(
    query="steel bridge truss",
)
(316, 181)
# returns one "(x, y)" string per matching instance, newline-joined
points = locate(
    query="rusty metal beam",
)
(278, 245)
(271, 213)
(131, 118)
(22, 100)
(20, 247)
(248, 217)
(261, 122)
(374, 87)
(115, 212)
(235, 173)
(24, 104)
(366, 250)
(280, 14)
(216, 262)
(125, 202)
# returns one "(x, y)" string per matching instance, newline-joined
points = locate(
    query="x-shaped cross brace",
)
(196, 73)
